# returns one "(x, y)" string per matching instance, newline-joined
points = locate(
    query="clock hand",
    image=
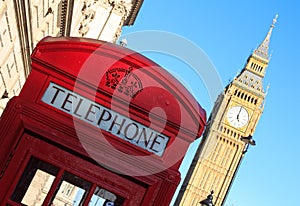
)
(238, 115)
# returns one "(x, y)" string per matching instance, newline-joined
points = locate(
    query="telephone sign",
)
(106, 119)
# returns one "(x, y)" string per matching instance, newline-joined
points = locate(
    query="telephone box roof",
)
(124, 75)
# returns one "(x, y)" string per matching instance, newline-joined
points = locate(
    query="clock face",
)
(237, 116)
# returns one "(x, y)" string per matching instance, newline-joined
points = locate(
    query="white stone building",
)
(24, 22)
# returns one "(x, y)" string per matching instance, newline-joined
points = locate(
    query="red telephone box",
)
(95, 124)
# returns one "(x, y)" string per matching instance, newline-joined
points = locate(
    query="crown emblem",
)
(123, 81)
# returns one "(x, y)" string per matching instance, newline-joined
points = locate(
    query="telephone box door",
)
(48, 175)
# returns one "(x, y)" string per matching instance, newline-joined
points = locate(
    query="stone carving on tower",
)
(229, 132)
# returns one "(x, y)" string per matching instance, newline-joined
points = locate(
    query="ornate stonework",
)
(88, 12)
(24, 23)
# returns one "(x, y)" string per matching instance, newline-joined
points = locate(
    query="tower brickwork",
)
(233, 119)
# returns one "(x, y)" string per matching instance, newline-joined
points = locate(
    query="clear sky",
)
(228, 31)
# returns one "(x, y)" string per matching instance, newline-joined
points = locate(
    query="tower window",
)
(218, 152)
(206, 181)
(225, 155)
(242, 96)
(257, 67)
(239, 94)
(1, 42)
(204, 176)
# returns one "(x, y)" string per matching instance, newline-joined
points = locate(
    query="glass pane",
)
(34, 183)
(71, 191)
(38, 188)
(103, 197)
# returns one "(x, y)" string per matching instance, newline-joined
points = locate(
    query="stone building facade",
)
(24, 23)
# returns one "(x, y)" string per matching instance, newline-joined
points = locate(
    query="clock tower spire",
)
(232, 121)
(263, 49)
(259, 59)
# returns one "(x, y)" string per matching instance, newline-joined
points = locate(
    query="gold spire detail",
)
(263, 49)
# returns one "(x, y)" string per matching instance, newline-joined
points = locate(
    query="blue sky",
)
(228, 31)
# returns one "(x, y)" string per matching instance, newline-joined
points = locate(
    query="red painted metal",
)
(120, 80)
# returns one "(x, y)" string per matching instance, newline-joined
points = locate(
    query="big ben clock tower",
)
(229, 132)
